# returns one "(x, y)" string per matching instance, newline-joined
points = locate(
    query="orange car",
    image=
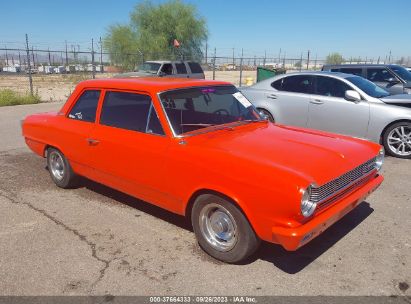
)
(200, 149)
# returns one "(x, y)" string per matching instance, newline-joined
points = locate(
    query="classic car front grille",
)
(321, 194)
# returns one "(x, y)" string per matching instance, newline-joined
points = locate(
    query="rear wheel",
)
(222, 230)
(60, 170)
(397, 140)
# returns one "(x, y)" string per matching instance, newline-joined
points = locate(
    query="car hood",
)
(315, 156)
(397, 99)
(134, 74)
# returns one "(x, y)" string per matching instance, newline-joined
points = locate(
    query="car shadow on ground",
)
(295, 261)
(289, 262)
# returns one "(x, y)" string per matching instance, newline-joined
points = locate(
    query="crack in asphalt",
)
(82, 237)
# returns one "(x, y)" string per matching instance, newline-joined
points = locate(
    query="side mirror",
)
(161, 74)
(392, 80)
(352, 95)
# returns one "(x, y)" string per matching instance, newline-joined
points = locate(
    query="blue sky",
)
(366, 28)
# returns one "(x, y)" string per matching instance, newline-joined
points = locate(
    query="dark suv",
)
(391, 77)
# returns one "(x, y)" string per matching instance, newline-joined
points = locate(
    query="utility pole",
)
(206, 50)
(308, 59)
(233, 58)
(49, 57)
(241, 65)
(279, 56)
(215, 55)
(265, 57)
(7, 56)
(93, 68)
(389, 58)
(66, 53)
(28, 64)
(19, 58)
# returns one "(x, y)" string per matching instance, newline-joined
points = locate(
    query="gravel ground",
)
(96, 241)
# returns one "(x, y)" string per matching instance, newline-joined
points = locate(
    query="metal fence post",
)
(101, 56)
(265, 58)
(301, 62)
(93, 68)
(28, 64)
(215, 50)
(241, 66)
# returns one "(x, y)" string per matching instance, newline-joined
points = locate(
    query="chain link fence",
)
(53, 73)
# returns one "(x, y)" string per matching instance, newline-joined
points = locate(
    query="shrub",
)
(10, 98)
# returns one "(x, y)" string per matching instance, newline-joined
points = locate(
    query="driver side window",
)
(327, 86)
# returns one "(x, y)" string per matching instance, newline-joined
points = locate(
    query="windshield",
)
(402, 72)
(149, 67)
(368, 87)
(195, 108)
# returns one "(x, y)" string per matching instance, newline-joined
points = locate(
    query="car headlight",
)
(307, 207)
(407, 90)
(379, 160)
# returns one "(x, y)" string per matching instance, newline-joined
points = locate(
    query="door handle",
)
(272, 96)
(316, 101)
(92, 142)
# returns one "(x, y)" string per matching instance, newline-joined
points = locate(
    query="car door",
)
(77, 127)
(382, 76)
(130, 145)
(180, 70)
(288, 99)
(330, 111)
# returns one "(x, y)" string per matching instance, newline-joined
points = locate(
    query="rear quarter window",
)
(195, 67)
(181, 68)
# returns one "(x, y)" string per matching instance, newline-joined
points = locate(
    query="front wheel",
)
(222, 230)
(397, 140)
(267, 114)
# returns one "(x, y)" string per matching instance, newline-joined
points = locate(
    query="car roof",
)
(320, 73)
(157, 84)
(357, 65)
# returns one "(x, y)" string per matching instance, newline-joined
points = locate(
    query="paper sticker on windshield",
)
(241, 98)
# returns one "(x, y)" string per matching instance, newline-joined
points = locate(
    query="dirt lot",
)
(59, 87)
(94, 240)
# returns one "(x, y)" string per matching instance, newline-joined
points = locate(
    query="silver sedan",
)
(338, 103)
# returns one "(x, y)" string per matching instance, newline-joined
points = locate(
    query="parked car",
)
(175, 69)
(339, 103)
(200, 149)
(391, 77)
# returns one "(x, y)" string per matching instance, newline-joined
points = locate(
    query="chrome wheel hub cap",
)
(57, 165)
(399, 140)
(218, 227)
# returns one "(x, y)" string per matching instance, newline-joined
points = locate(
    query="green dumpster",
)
(264, 73)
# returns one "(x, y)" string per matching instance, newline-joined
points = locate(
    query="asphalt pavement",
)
(94, 240)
